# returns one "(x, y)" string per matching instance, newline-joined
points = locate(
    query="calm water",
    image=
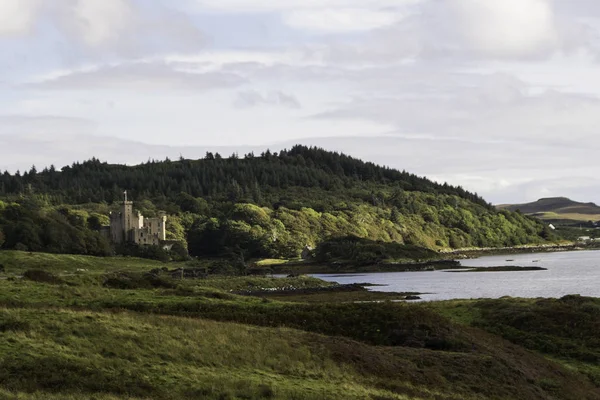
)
(568, 273)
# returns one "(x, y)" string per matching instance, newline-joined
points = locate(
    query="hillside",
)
(258, 178)
(557, 208)
(267, 206)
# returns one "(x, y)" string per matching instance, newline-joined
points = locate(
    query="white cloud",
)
(340, 20)
(136, 76)
(17, 17)
(128, 27)
(101, 22)
(253, 98)
(469, 106)
(24, 125)
(506, 27)
(473, 30)
(320, 16)
(239, 6)
(96, 22)
(114, 27)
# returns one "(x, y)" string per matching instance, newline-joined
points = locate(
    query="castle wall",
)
(125, 226)
(157, 227)
(145, 237)
(129, 220)
(117, 230)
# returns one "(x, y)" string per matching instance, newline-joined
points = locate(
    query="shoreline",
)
(489, 251)
(353, 292)
(450, 262)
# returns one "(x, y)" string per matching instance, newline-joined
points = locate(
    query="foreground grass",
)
(76, 339)
(134, 335)
(69, 353)
(17, 262)
(565, 330)
(76, 352)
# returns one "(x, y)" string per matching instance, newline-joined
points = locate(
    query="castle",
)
(125, 226)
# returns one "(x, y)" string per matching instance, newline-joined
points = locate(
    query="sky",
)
(501, 97)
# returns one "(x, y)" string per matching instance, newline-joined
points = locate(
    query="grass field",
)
(17, 262)
(568, 216)
(120, 333)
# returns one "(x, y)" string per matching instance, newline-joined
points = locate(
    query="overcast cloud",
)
(499, 96)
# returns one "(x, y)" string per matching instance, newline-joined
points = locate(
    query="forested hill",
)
(271, 205)
(217, 178)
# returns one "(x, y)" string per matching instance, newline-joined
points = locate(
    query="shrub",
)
(123, 280)
(38, 275)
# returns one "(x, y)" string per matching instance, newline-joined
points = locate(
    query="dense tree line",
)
(273, 205)
(361, 252)
(31, 226)
(234, 178)
(418, 219)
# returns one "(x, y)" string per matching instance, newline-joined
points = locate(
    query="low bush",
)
(38, 275)
(122, 280)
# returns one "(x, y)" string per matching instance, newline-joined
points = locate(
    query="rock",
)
(412, 298)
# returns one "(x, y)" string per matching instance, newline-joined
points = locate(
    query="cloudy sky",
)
(499, 96)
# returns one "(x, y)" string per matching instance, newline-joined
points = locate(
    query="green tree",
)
(188, 203)
(395, 216)
(179, 252)
(97, 221)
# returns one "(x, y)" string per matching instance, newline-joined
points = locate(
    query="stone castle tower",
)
(127, 226)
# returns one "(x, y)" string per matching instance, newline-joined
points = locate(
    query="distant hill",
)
(557, 208)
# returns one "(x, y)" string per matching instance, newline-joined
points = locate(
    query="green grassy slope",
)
(563, 329)
(80, 353)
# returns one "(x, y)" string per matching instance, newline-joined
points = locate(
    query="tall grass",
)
(69, 352)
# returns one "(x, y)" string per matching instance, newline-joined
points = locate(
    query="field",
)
(17, 262)
(114, 331)
(552, 216)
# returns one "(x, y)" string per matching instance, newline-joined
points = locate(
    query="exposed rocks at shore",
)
(508, 268)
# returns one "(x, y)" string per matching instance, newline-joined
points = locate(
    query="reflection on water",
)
(567, 273)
